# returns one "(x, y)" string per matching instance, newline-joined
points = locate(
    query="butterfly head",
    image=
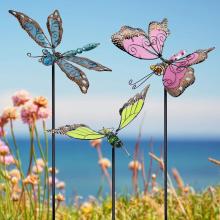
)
(158, 69)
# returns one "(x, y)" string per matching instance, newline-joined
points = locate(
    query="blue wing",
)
(54, 26)
(32, 28)
(74, 74)
(87, 63)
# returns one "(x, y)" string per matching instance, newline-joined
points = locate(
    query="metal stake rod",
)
(113, 183)
(53, 145)
(165, 155)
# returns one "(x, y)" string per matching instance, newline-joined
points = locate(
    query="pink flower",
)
(43, 113)
(29, 113)
(20, 98)
(10, 113)
(7, 160)
(50, 180)
(4, 150)
(2, 132)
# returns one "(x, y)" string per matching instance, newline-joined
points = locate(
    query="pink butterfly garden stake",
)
(177, 71)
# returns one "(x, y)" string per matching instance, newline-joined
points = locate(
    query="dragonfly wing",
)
(54, 26)
(87, 63)
(32, 28)
(132, 108)
(135, 42)
(74, 74)
(158, 32)
(78, 131)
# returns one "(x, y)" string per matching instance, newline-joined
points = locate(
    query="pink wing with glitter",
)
(178, 76)
(137, 43)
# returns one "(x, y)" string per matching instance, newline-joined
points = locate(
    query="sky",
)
(193, 25)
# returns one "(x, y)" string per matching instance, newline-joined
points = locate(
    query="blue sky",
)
(193, 25)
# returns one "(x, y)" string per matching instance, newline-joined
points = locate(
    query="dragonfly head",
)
(47, 59)
(158, 69)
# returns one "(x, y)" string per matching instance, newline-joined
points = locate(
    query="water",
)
(78, 165)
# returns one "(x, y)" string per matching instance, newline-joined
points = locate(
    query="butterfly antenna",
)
(141, 81)
(30, 55)
(126, 151)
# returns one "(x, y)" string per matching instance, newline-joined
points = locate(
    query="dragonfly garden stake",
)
(63, 60)
(128, 113)
(176, 71)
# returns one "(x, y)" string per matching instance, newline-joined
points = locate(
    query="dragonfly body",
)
(128, 113)
(64, 60)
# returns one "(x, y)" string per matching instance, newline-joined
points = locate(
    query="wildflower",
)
(40, 101)
(96, 143)
(86, 208)
(154, 176)
(50, 180)
(37, 169)
(7, 160)
(31, 179)
(43, 113)
(3, 122)
(14, 180)
(4, 150)
(10, 113)
(178, 179)
(15, 173)
(60, 185)
(40, 162)
(155, 189)
(2, 187)
(105, 163)
(51, 168)
(60, 197)
(15, 197)
(186, 189)
(135, 165)
(20, 98)
(29, 114)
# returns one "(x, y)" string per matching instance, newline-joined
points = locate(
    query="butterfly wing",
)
(87, 63)
(74, 74)
(137, 43)
(132, 108)
(179, 75)
(32, 28)
(183, 80)
(54, 26)
(78, 131)
(158, 32)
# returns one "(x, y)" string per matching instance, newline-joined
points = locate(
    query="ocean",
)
(78, 167)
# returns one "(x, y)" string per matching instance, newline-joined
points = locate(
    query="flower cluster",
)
(6, 157)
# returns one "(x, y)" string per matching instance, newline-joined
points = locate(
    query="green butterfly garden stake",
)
(63, 60)
(128, 113)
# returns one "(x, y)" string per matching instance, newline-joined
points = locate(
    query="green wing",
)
(132, 108)
(78, 131)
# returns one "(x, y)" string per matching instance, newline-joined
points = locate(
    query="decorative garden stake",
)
(128, 112)
(54, 26)
(176, 71)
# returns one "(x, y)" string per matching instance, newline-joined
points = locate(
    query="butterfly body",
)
(177, 72)
(65, 60)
